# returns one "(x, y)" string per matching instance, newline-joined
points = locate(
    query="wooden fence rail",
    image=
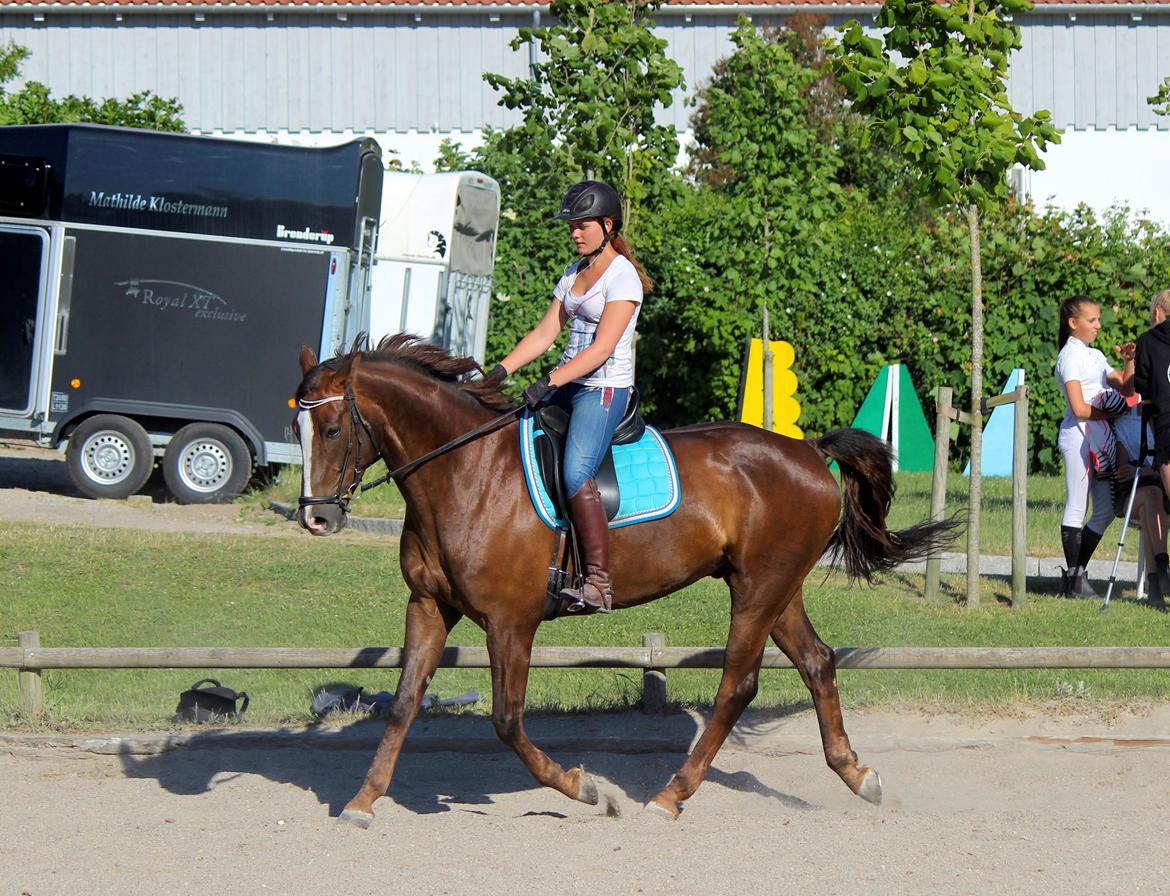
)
(39, 658)
(653, 657)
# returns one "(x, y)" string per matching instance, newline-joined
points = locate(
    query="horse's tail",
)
(862, 540)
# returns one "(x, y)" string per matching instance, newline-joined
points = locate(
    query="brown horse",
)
(758, 510)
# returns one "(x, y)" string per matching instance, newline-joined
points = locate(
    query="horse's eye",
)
(333, 433)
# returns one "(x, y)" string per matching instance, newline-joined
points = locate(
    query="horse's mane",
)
(409, 350)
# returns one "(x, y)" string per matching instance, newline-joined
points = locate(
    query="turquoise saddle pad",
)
(646, 472)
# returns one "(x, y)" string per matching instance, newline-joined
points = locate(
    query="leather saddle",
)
(550, 452)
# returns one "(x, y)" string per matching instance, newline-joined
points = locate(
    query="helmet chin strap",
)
(593, 256)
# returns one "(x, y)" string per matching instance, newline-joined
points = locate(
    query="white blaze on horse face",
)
(305, 424)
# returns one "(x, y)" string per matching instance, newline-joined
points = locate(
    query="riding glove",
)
(537, 392)
(499, 372)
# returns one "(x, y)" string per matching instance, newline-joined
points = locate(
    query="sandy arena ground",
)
(1039, 804)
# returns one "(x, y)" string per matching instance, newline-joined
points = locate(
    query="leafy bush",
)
(34, 103)
(781, 207)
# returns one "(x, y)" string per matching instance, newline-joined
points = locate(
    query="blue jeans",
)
(594, 414)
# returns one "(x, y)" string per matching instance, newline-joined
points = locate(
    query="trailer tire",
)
(206, 463)
(109, 456)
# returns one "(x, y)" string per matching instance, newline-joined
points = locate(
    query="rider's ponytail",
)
(622, 247)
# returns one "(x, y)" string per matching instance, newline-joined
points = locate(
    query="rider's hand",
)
(499, 373)
(537, 392)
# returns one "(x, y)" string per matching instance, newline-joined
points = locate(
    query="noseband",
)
(341, 497)
(353, 448)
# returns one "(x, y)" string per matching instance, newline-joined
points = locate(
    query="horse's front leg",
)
(510, 648)
(427, 625)
(813, 659)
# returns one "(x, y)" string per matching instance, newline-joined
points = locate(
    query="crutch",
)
(1137, 475)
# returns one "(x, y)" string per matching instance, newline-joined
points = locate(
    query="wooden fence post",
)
(1020, 499)
(938, 487)
(32, 694)
(654, 696)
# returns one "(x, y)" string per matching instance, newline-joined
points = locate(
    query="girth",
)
(553, 421)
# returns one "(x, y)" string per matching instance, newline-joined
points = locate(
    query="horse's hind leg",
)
(427, 625)
(510, 649)
(794, 634)
(737, 688)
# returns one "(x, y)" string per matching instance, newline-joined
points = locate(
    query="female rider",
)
(599, 296)
(1088, 381)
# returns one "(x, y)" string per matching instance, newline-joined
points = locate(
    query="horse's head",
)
(336, 443)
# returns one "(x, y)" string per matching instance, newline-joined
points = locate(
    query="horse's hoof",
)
(871, 787)
(587, 790)
(358, 819)
(655, 809)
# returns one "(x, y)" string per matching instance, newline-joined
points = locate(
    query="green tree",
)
(34, 103)
(936, 86)
(602, 77)
(1161, 100)
(751, 233)
(588, 109)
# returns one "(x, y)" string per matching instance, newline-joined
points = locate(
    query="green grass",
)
(1044, 512)
(96, 587)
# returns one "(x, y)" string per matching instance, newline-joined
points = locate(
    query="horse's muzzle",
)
(322, 519)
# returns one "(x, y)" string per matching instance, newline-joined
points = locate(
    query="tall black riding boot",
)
(1079, 586)
(1154, 592)
(592, 530)
(1070, 541)
(1089, 542)
(1162, 568)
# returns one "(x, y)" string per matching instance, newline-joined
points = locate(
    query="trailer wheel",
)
(206, 463)
(109, 456)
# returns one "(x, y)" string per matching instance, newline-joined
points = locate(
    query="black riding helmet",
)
(592, 199)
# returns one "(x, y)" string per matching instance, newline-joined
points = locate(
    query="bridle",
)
(353, 448)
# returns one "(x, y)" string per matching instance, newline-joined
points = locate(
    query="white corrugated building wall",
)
(410, 73)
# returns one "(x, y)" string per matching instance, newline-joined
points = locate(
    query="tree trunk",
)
(975, 499)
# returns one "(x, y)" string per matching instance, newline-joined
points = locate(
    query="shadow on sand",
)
(445, 766)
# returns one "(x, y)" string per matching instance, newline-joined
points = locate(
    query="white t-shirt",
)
(1088, 366)
(619, 283)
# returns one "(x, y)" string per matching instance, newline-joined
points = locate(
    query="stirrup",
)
(575, 601)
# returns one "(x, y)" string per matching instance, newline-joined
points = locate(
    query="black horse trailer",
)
(156, 288)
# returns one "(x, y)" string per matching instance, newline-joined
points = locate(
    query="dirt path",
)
(35, 487)
(1038, 802)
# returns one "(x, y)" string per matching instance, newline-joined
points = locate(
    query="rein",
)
(341, 498)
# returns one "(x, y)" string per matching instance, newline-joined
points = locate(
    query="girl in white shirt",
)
(1086, 378)
(599, 296)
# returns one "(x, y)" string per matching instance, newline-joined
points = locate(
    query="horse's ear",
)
(308, 359)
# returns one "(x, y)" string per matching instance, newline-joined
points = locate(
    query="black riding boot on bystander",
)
(1079, 545)
(592, 528)
(1158, 583)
